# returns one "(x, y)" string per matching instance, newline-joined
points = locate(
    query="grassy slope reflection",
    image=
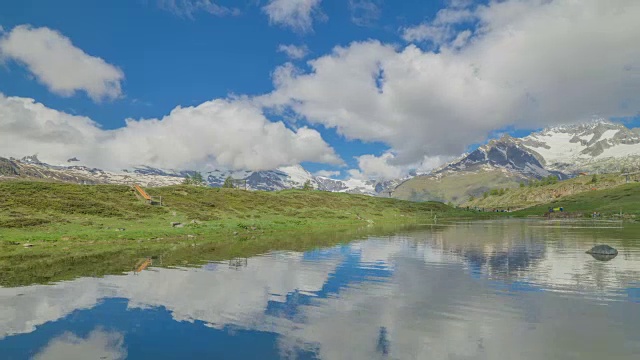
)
(50, 261)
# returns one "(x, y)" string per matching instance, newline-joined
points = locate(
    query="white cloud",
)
(365, 12)
(529, 64)
(441, 29)
(384, 167)
(294, 52)
(327, 173)
(295, 14)
(187, 8)
(59, 65)
(460, 3)
(99, 344)
(220, 133)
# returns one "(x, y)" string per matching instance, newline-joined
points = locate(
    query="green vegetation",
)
(549, 180)
(228, 183)
(542, 192)
(195, 179)
(611, 202)
(307, 186)
(78, 230)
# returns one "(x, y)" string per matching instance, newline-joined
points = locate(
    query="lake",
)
(512, 289)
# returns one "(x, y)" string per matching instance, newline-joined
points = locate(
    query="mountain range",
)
(271, 180)
(562, 151)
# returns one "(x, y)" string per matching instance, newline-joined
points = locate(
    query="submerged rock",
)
(600, 257)
(603, 250)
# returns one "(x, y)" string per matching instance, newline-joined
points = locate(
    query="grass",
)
(609, 202)
(524, 197)
(78, 230)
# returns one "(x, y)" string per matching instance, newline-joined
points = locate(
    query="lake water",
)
(484, 290)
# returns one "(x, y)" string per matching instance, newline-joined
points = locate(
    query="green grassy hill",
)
(455, 187)
(43, 205)
(53, 231)
(523, 197)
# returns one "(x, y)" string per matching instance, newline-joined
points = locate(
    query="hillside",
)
(609, 202)
(456, 187)
(33, 204)
(527, 196)
(47, 229)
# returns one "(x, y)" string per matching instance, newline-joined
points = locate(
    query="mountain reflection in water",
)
(487, 290)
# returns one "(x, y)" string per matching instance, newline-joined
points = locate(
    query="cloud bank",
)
(230, 134)
(63, 68)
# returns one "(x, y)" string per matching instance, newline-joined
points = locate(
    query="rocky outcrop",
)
(8, 168)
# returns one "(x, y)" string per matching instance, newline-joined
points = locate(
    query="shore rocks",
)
(603, 250)
(176, 224)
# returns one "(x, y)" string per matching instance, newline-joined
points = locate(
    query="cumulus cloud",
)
(297, 15)
(441, 29)
(58, 64)
(99, 344)
(383, 167)
(529, 63)
(365, 12)
(294, 52)
(187, 8)
(220, 133)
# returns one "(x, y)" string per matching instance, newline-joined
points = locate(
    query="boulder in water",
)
(603, 257)
(603, 250)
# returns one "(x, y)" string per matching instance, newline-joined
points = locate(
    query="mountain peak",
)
(33, 159)
(583, 127)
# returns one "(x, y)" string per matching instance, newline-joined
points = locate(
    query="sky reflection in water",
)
(490, 290)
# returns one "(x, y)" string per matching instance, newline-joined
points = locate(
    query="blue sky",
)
(182, 53)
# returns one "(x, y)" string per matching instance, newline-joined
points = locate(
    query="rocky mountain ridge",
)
(270, 180)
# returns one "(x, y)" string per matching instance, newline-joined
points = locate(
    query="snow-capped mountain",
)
(563, 151)
(595, 146)
(505, 153)
(288, 177)
(31, 167)
(357, 186)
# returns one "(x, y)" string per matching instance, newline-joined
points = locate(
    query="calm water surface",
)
(487, 290)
